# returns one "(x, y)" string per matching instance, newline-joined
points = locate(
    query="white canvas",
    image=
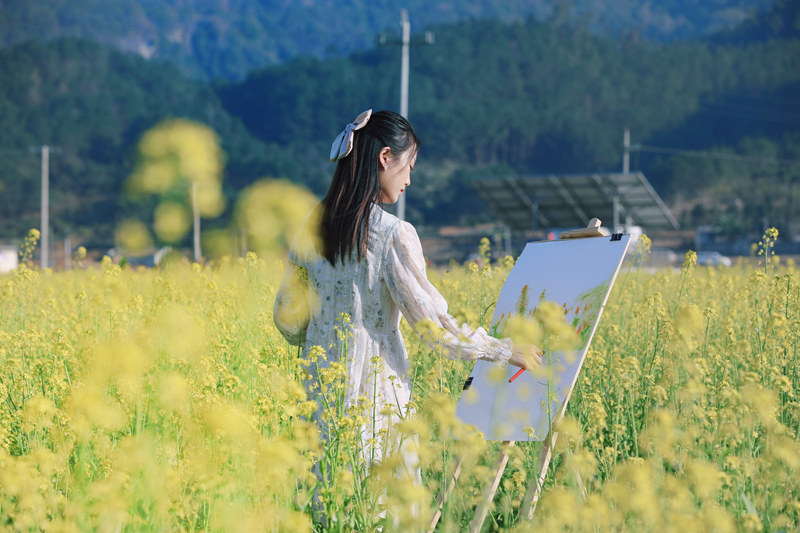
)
(577, 275)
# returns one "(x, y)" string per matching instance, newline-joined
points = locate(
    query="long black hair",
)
(355, 187)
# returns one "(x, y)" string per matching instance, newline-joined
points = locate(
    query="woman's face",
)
(394, 173)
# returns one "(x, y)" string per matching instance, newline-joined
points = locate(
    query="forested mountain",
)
(94, 104)
(780, 20)
(488, 98)
(528, 96)
(213, 39)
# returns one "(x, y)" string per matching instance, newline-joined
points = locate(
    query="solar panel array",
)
(570, 200)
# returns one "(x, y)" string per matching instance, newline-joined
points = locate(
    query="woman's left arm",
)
(294, 303)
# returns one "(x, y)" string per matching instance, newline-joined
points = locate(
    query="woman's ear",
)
(383, 157)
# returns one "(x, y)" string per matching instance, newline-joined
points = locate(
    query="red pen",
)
(520, 371)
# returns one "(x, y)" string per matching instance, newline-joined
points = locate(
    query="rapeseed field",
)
(137, 399)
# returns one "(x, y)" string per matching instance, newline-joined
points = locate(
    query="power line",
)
(713, 155)
(18, 151)
(751, 114)
(29, 150)
(771, 100)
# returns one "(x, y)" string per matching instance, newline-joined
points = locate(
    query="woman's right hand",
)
(527, 356)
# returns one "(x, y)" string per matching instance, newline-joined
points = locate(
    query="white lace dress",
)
(373, 293)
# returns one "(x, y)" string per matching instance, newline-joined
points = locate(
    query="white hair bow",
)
(343, 144)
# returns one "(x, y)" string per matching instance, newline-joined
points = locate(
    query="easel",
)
(535, 485)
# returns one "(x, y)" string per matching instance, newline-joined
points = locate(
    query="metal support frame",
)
(657, 200)
(536, 214)
(614, 194)
(568, 197)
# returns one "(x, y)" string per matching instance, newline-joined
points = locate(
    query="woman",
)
(369, 264)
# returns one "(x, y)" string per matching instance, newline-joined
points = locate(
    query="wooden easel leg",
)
(581, 487)
(444, 494)
(535, 488)
(491, 489)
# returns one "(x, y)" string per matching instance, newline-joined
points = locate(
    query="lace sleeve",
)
(418, 299)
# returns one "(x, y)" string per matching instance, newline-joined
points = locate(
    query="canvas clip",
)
(468, 383)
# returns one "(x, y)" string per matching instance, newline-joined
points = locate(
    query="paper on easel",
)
(578, 276)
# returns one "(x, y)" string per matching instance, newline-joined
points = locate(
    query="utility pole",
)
(44, 259)
(67, 253)
(401, 203)
(196, 218)
(45, 207)
(405, 43)
(626, 168)
(626, 155)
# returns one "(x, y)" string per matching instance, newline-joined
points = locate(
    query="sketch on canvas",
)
(575, 274)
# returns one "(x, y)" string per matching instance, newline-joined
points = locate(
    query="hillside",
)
(213, 39)
(94, 104)
(781, 20)
(489, 98)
